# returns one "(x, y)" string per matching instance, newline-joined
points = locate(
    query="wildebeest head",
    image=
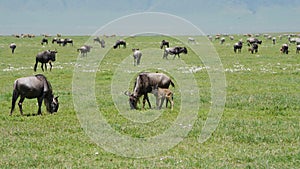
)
(52, 54)
(132, 100)
(54, 105)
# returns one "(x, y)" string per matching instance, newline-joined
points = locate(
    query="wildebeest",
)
(66, 41)
(284, 48)
(119, 43)
(44, 41)
(34, 87)
(84, 49)
(161, 94)
(164, 43)
(12, 46)
(294, 40)
(191, 40)
(143, 85)
(62, 42)
(274, 40)
(45, 57)
(137, 54)
(222, 40)
(253, 40)
(102, 42)
(253, 48)
(97, 39)
(238, 46)
(54, 40)
(174, 51)
(297, 48)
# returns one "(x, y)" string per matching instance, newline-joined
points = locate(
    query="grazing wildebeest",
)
(191, 40)
(102, 42)
(164, 43)
(143, 85)
(238, 46)
(44, 41)
(274, 40)
(84, 49)
(60, 41)
(119, 43)
(137, 54)
(174, 51)
(161, 94)
(253, 48)
(34, 87)
(54, 40)
(97, 39)
(12, 46)
(253, 40)
(222, 40)
(297, 48)
(284, 48)
(45, 57)
(66, 41)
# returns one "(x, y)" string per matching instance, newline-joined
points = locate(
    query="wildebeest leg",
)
(161, 102)
(20, 104)
(42, 66)
(13, 102)
(35, 65)
(144, 101)
(50, 66)
(40, 101)
(138, 60)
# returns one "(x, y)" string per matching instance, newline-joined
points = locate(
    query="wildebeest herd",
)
(146, 82)
(39, 87)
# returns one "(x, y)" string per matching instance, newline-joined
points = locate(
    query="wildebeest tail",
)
(172, 84)
(14, 97)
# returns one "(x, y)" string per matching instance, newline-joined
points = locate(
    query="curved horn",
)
(127, 93)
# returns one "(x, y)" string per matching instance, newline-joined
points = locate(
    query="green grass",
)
(259, 127)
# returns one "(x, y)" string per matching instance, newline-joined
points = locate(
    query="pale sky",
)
(84, 17)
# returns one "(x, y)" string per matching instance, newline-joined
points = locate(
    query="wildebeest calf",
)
(161, 94)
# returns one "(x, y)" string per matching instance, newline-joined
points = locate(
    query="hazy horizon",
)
(84, 17)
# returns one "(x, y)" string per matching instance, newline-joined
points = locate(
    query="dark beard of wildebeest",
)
(174, 51)
(164, 43)
(44, 41)
(144, 84)
(34, 87)
(12, 46)
(45, 57)
(238, 47)
(119, 43)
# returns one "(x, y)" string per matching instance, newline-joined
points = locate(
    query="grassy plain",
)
(259, 127)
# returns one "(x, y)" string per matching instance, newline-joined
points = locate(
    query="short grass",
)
(259, 127)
